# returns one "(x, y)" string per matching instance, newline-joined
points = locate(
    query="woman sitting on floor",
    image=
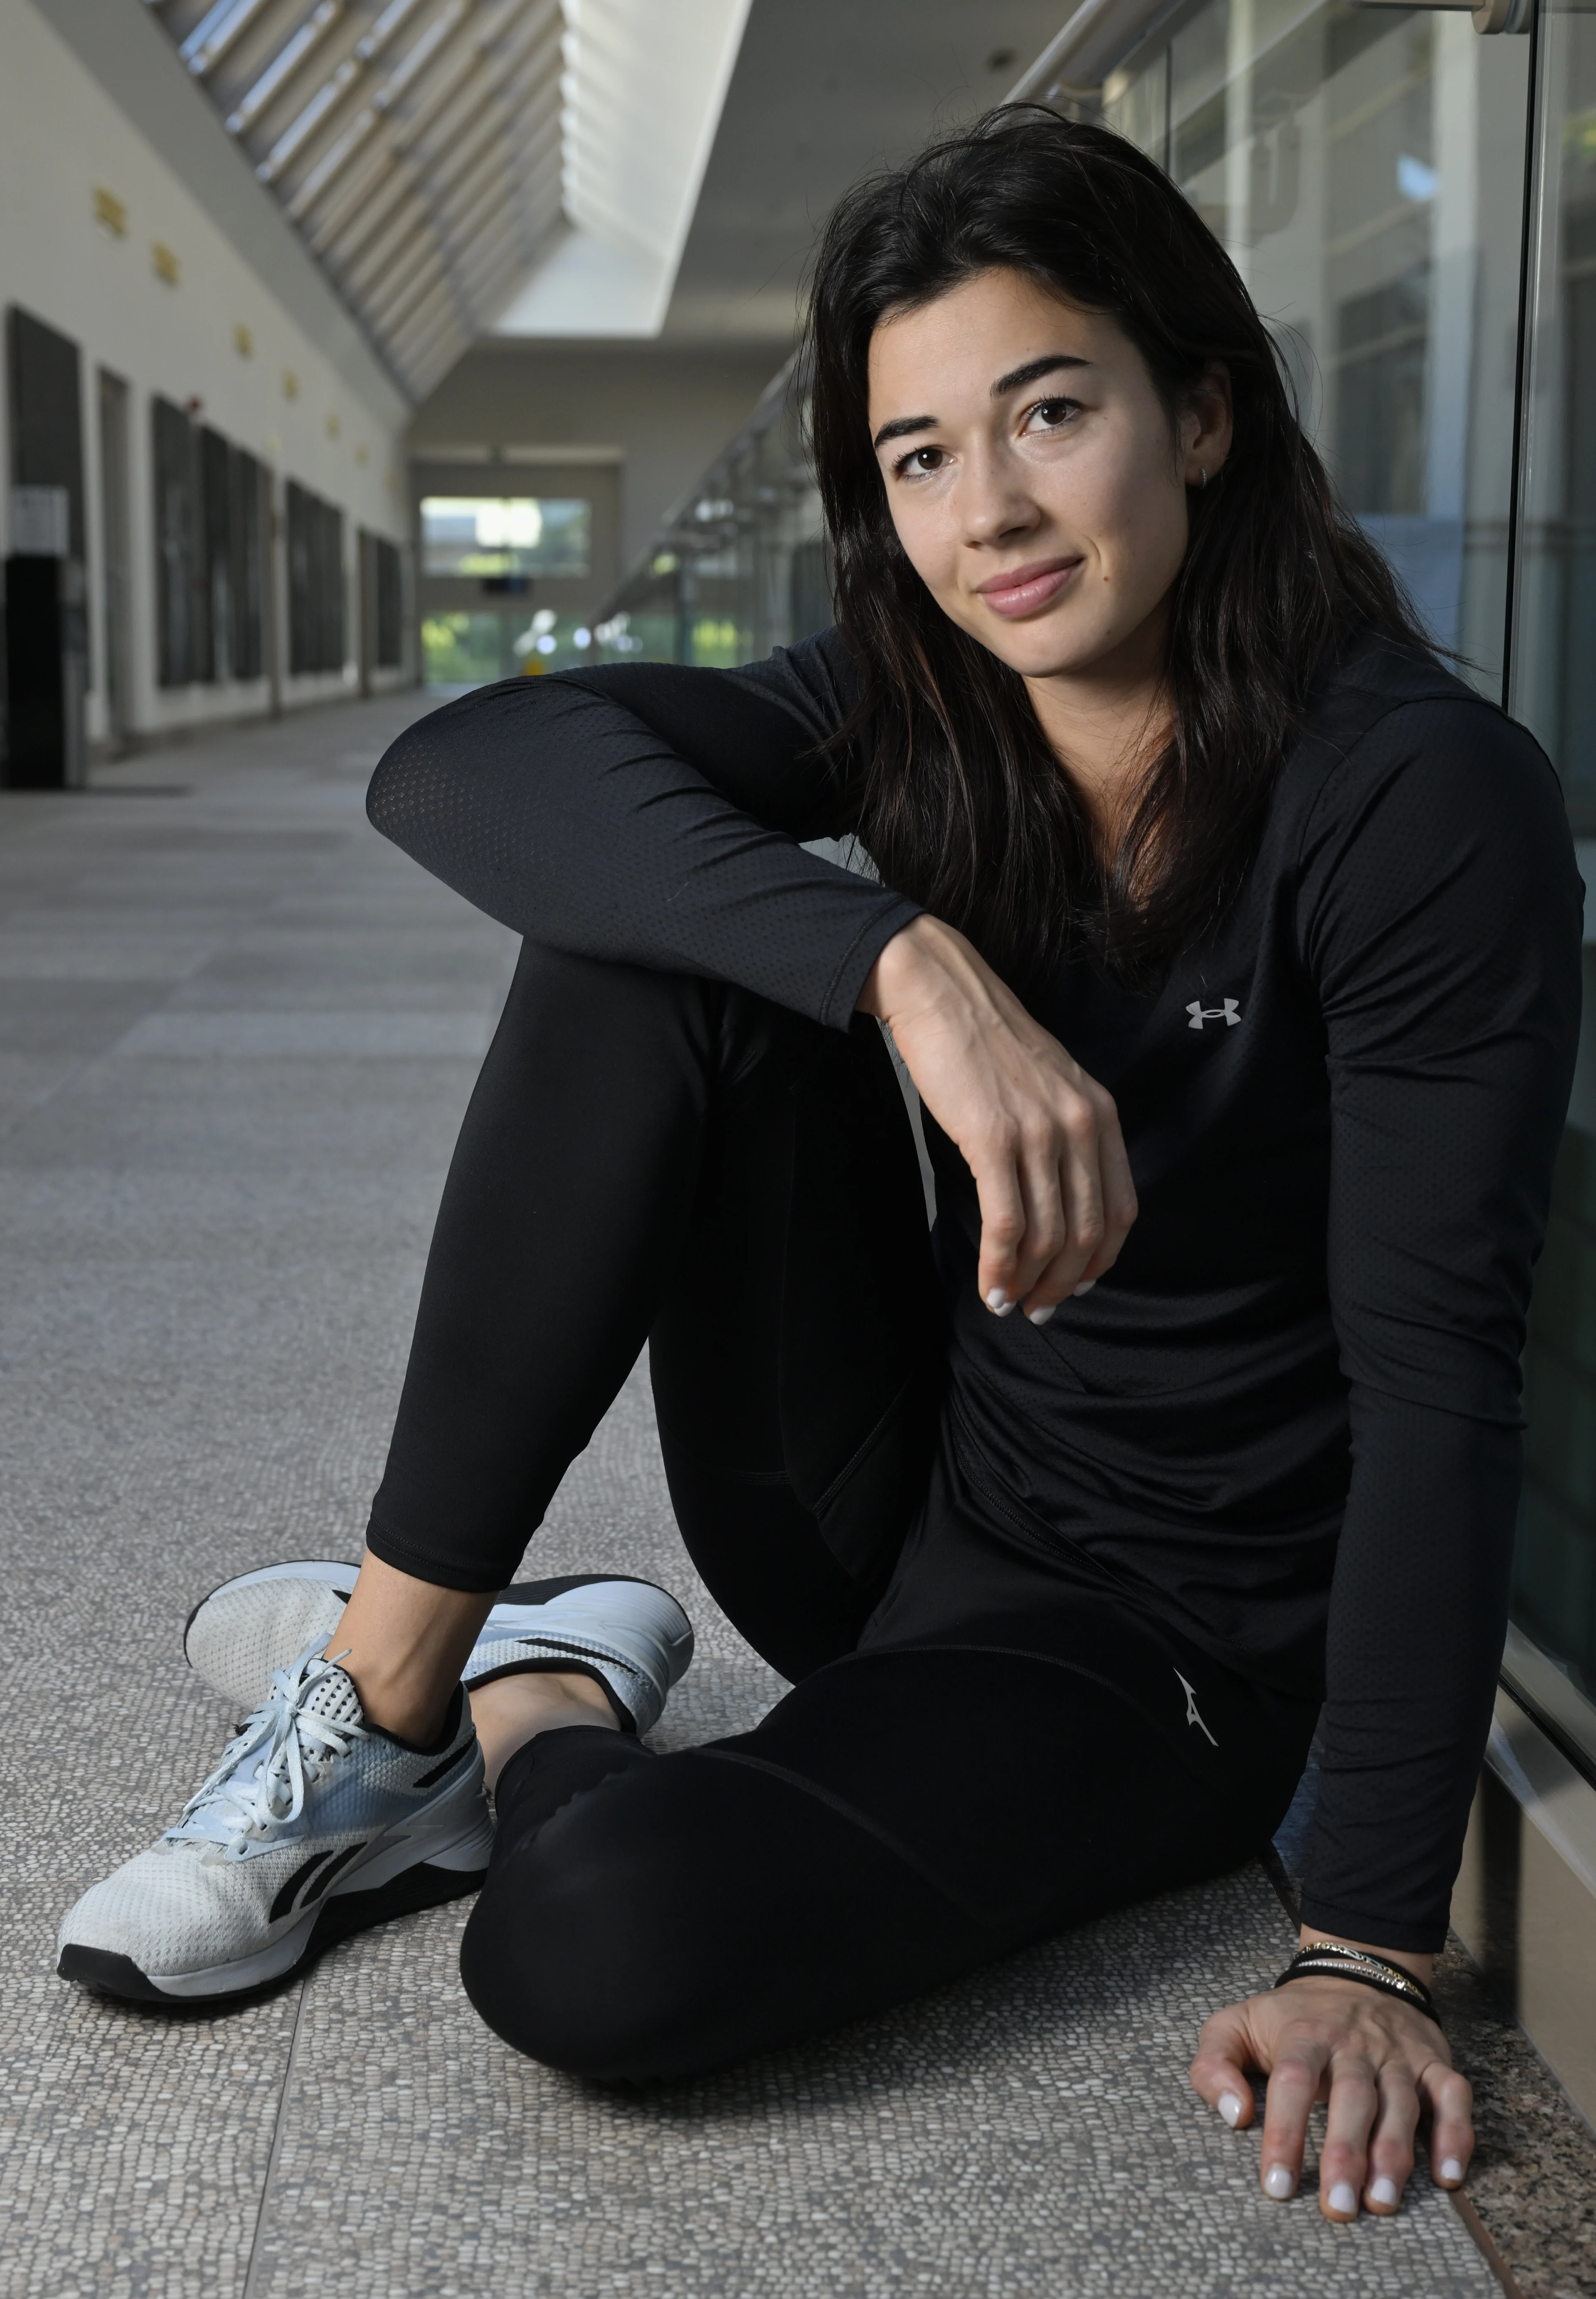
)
(1232, 944)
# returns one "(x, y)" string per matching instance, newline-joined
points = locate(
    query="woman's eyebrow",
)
(1034, 370)
(901, 428)
(904, 426)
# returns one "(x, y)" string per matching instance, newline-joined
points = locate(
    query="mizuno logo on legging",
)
(1192, 1716)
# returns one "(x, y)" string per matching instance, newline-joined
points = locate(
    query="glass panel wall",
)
(740, 567)
(1552, 1656)
(1364, 167)
(460, 649)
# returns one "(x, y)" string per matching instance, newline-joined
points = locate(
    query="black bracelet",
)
(1329, 1961)
(1338, 1951)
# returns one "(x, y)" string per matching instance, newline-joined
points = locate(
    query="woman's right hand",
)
(1041, 1137)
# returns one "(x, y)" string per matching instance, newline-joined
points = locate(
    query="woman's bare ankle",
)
(515, 1709)
(404, 1642)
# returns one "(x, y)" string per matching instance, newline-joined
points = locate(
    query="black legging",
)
(984, 1744)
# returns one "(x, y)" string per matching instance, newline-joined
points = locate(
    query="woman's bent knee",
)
(583, 1952)
(695, 1912)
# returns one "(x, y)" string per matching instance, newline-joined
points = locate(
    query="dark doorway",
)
(46, 420)
(116, 595)
(47, 665)
(216, 560)
(176, 588)
(247, 562)
(315, 583)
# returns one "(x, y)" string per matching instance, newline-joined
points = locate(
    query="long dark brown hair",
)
(964, 806)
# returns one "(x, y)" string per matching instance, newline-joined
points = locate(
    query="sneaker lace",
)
(281, 1751)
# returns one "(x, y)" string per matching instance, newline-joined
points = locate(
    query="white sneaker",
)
(314, 1825)
(632, 1637)
(240, 1635)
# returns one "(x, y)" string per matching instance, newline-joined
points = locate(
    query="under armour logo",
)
(1229, 1014)
(1192, 1716)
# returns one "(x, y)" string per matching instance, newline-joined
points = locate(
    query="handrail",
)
(768, 408)
(1078, 58)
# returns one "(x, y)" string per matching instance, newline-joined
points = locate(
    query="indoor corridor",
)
(358, 354)
(236, 1034)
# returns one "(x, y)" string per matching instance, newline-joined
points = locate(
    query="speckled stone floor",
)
(236, 1033)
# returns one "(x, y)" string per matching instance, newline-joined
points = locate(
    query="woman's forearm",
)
(1040, 1137)
(563, 815)
(1417, 1615)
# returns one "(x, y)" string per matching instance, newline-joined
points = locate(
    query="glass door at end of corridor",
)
(1552, 1644)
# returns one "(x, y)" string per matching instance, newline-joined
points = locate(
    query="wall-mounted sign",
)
(41, 522)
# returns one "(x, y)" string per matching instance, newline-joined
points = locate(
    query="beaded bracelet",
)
(1329, 1960)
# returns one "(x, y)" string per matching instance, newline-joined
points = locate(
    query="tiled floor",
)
(236, 1032)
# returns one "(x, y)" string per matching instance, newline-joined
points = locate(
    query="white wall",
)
(62, 137)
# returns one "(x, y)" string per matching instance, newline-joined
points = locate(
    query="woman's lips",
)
(1028, 588)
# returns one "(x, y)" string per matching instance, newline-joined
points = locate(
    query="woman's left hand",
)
(1378, 2062)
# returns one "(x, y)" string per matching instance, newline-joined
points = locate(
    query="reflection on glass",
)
(1363, 167)
(517, 534)
(1554, 1564)
(459, 650)
(462, 651)
(1554, 691)
(742, 568)
(1554, 686)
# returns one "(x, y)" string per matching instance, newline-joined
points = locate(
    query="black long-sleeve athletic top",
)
(1288, 1419)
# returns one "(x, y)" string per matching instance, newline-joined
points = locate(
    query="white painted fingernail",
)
(1040, 1316)
(999, 1304)
(1280, 2182)
(1230, 2108)
(1451, 2171)
(1084, 1286)
(1384, 2192)
(1343, 2198)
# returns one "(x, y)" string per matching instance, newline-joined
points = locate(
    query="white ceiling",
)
(644, 89)
(823, 91)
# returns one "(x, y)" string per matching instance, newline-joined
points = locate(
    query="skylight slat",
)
(453, 67)
(385, 28)
(413, 61)
(371, 166)
(300, 130)
(443, 321)
(416, 296)
(530, 118)
(216, 32)
(336, 157)
(377, 255)
(287, 61)
(405, 289)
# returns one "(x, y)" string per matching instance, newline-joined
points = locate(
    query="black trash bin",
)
(46, 673)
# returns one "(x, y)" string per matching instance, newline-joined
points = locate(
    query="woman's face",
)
(1032, 475)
